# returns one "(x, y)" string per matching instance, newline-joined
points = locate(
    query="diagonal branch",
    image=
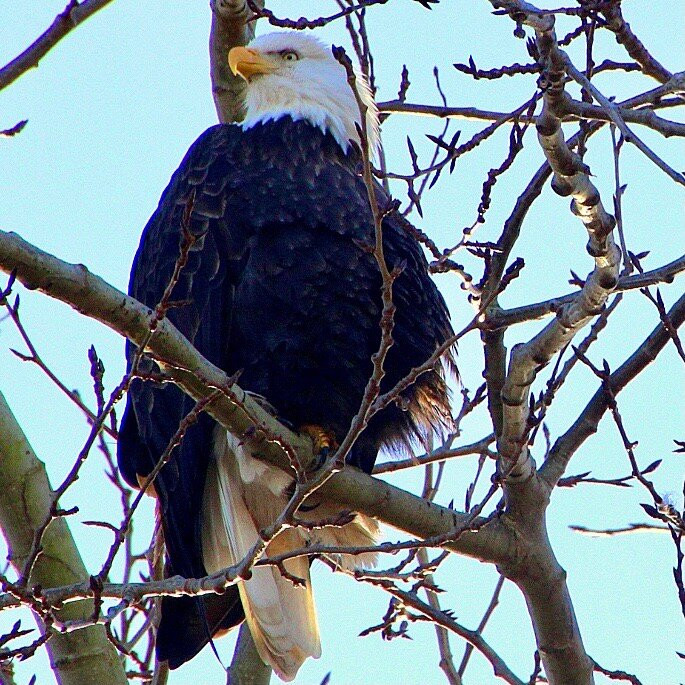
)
(235, 410)
(74, 13)
(633, 45)
(617, 118)
(588, 421)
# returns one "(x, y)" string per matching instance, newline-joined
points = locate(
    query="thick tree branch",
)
(572, 178)
(236, 411)
(540, 577)
(25, 502)
(247, 668)
(229, 29)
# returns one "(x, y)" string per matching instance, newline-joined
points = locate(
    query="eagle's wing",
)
(204, 294)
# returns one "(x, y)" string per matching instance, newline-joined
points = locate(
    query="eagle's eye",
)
(289, 56)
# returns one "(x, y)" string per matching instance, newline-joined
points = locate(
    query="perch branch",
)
(264, 435)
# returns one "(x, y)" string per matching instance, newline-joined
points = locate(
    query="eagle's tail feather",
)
(281, 615)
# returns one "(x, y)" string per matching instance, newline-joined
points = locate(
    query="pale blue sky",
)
(112, 111)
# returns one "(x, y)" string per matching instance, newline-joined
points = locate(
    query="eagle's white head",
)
(294, 74)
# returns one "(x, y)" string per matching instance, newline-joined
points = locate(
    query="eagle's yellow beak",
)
(246, 62)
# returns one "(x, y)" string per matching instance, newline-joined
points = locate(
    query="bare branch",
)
(74, 13)
(247, 668)
(633, 45)
(614, 114)
(586, 424)
(508, 317)
(492, 605)
(574, 111)
(14, 130)
(440, 454)
(627, 530)
(440, 618)
(570, 178)
(241, 415)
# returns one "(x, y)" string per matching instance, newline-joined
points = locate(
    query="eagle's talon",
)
(319, 459)
(324, 444)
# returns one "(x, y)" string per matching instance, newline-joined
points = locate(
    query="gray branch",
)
(588, 421)
(229, 29)
(574, 111)
(508, 317)
(247, 668)
(236, 410)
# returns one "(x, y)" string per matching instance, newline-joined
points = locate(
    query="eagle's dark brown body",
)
(279, 285)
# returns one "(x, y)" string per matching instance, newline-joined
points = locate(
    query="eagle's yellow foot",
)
(324, 443)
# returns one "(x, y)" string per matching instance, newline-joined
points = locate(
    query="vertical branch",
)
(388, 277)
(539, 575)
(571, 178)
(247, 668)
(230, 27)
(430, 489)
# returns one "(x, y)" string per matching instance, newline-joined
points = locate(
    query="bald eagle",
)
(279, 286)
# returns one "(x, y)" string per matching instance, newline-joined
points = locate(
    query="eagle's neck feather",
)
(333, 110)
(321, 120)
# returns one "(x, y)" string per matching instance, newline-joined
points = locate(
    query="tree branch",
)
(247, 668)
(236, 410)
(25, 502)
(229, 29)
(574, 111)
(633, 45)
(74, 13)
(571, 177)
(616, 117)
(588, 421)
(508, 317)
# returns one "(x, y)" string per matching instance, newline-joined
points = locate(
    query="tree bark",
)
(247, 668)
(241, 415)
(229, 29)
